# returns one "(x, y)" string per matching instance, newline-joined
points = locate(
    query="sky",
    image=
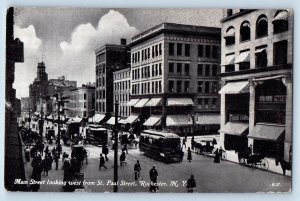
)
(66, 38)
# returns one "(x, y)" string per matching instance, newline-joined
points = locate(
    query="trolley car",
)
(96, 135)
(162, 146)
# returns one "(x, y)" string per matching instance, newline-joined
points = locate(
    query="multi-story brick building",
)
(109, 58)
(256, 98)
(122, 91)
(174, 71)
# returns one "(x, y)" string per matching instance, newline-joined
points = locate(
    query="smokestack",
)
(123, 41)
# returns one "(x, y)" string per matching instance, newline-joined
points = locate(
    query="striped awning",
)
(154, 120)
(131, 119)
(180, 102)
(154, 102)
(243, 57)
(235, 128)
(235, 88)
(270, 132)
(142, 102)
(132, 102)
(178, 120)
(112, 121)
(208, 119)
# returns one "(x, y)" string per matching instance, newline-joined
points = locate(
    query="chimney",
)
(123, 41)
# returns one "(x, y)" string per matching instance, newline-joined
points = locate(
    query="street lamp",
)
(193, 117)
(116, 148)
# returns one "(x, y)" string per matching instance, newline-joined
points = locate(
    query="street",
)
(210, 177)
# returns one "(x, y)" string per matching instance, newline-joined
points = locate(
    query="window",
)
(84, 104)
(280, 52)
(280, 21)
(215, 52)
(244, 65)
(156, 50)
(261, 59)
(245, 31)
(159, 87)
(153, 55)
(171, 86)
(159, 48)
(200, 51)
(206, 87)
(206, 103)
(159, 69)
(186, 86)
(262, 26)
(199, 100)
(214, 70)
(187, 69)
(200, 69)
(187, 50)
(171, 68)
(200, 86)
(207, 51)
(207, 69)
(171, 49)
(215, 87)
(230, 36)
(179, 86)
(229, 12)
(179, 49)
(179, 65)
(214, 103)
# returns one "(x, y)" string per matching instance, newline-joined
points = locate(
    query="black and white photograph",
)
(153, 100)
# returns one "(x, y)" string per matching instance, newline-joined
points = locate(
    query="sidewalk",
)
(233, 157)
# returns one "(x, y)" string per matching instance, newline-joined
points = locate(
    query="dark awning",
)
(271, 132)
(235, 128)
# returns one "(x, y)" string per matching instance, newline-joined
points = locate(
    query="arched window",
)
(262, 26)
(230, 36)
(245, 31)
(280, 21)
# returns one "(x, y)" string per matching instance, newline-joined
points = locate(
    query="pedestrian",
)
(217, 156)
(221, 151)
(183, 143)
(125, 148)
(45, 166)
(102, 162)
(122, 159)
(46, 151)
(56, 158)
(64, 156)
(137, 170)
(53, 151)
(189, 155)
(193, 142)
(36, 172)
(105, 151)
(191, 184)
(153, 178)
(50, 161)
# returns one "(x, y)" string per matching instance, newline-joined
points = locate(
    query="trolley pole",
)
(116, 148)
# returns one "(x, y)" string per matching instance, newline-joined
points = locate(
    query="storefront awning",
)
(229, 60)
(122, 121)
(112, 121)
(243, 57)
(97, 118)
(282, 15)
(131, 119)
(270, 132)
(154, 102)
(132, 102)
(142, 102)
(235, 128)
(178, 120)
(235, 88)
(179, 102)
(76, 119)
(154, 120)
(208, 119)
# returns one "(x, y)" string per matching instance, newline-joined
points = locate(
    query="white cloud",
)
(78, 55)
(26, 72)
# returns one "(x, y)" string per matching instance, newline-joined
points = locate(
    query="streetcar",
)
(162, 146)
(96, 135)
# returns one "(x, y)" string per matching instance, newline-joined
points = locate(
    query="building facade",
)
(174, 71)
(122, 91)
(25, 105)
(256, 74)
(109, 58)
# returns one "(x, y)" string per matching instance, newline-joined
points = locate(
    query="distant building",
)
(109, 58)
(256, 97)
(122, 91)
(25, 105)
(174, 71)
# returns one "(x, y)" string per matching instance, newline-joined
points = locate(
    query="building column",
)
(288, 117)
(223, 119)
(251, 110)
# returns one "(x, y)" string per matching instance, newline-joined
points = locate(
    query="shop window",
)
(245, 31)
(280, 52)
(280, 21)
(230, 36)
(262, 26)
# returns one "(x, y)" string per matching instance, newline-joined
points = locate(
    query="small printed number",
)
(275, 184)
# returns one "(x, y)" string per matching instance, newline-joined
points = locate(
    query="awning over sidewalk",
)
(112, 121)
(131, 119)
(154, 102)
(122, 121)
(209, 119)
(97, 118)
(132, 102)
(235, 128)
(154, 120)
(142, 102)
(76, 119)
(271, 132)
(235, 88)
(178, 120)
(243, 57)
(180, 102)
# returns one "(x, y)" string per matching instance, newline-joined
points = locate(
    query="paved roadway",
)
(209, 176)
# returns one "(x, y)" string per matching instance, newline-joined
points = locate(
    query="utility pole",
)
(116, 148)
